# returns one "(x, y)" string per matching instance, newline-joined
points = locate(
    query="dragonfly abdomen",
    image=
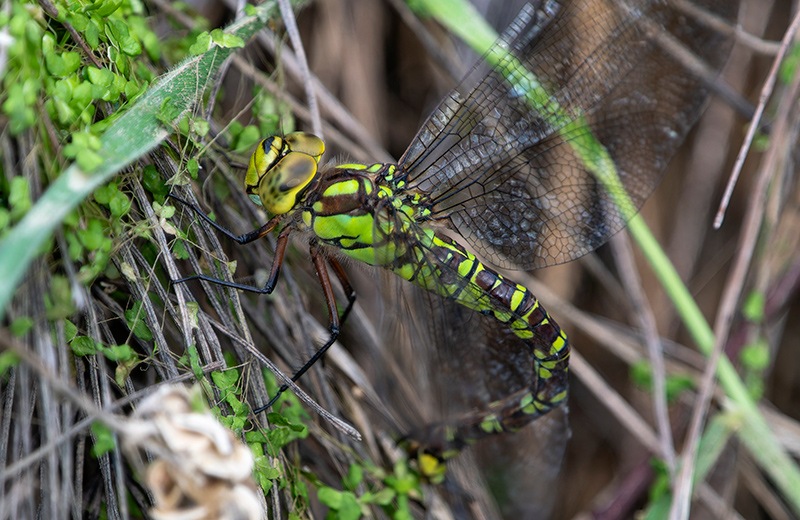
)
(441, 265)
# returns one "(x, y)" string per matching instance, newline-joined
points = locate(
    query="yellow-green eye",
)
(263, 159)
(281, 168)
(308, 144)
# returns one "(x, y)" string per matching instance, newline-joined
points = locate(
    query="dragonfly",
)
(539, 156)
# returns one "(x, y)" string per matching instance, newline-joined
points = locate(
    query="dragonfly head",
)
(281, 168)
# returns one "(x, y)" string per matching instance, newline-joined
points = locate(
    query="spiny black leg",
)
(280, 251)
(333, 316)
(350, 294)
(245, 238)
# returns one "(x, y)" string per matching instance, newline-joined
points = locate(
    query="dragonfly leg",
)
(349, 292)
(245, 238)
(318, 258)
(277, 262)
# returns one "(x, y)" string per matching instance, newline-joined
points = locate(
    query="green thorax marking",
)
(360, 210)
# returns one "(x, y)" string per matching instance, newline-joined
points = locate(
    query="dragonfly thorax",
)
(281, 168)
(355, 209)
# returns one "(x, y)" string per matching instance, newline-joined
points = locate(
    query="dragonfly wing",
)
(511, 178)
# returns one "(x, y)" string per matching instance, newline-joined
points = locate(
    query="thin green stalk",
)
(754, 430)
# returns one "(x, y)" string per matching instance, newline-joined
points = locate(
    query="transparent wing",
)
(510, 178)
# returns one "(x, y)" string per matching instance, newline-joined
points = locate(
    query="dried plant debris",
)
(201, 470)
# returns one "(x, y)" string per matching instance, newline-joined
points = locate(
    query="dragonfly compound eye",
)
(281, 168)
(308, 144)
(262, 161)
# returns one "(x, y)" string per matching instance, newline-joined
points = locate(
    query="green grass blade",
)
(753, 429)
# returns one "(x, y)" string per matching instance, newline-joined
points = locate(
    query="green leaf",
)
(192, 166)
(200, 127)
(658, 509)
(119, 353)
(59, 298)
(265, 470)
(677, 384)
(100, 77)
(152, 45)
(281, 420)
(104, 440)
(169, 110)
(271, 473)
(20, 113)
(194, 362)
(201, 45)
(21, 326)
(384, 497)
(354, 477)
(753, 308)
(280, 437)
(103, 194)
(93, 236)
(120, 60)
(83, 346)
(82, 148)
(136, 324)
(104, 8)
(755, 356)
(92, 34)
(790, 64)
(154, 183)
(239, 408)
(117, 32)
(232, 422)
(226, 40)
(124, 369)
(248, 138)
(255, 437)
(194, 309)
(82, 96)
(70, 330)
(226, 379)
(330, 497)
(5, 219)
(19, 197)
(180, 251)
(402, 480)
(8, 360)
(59, 63)
(120, 204)
(349, 508)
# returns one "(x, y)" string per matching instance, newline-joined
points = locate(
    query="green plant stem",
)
(753, 431)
